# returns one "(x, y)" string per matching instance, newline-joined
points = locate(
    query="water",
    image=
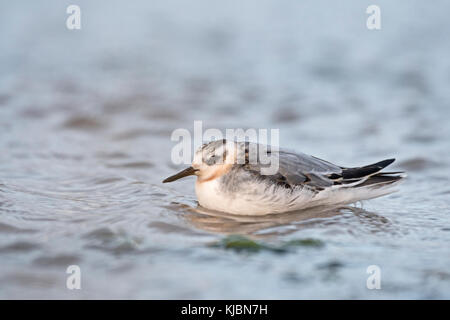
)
(85, 124)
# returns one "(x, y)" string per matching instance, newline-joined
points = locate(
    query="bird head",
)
(211, 161)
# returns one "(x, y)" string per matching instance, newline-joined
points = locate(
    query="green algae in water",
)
(239, 243)
(244, 244)
(308, 242)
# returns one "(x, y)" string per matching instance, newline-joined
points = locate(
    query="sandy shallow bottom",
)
(85, 124)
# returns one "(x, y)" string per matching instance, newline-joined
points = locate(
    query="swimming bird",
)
(230, 179)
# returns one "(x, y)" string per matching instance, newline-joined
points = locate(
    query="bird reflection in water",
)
(349, 217)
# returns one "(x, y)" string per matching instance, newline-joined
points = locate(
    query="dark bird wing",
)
(301, 169)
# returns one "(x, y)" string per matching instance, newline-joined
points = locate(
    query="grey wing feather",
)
(307, 163)
(299, 168)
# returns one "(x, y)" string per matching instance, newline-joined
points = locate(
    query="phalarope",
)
(301, 181)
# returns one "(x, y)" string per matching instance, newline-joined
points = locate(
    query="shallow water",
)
(85, 124)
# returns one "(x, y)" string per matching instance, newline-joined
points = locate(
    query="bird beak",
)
(186, 172)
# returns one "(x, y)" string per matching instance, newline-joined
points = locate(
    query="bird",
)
(231, 179)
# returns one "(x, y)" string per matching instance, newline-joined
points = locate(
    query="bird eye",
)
(213, 159)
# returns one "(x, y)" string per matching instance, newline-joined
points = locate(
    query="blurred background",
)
(85, 123)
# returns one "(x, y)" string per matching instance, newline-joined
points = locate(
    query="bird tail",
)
(371, 175)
